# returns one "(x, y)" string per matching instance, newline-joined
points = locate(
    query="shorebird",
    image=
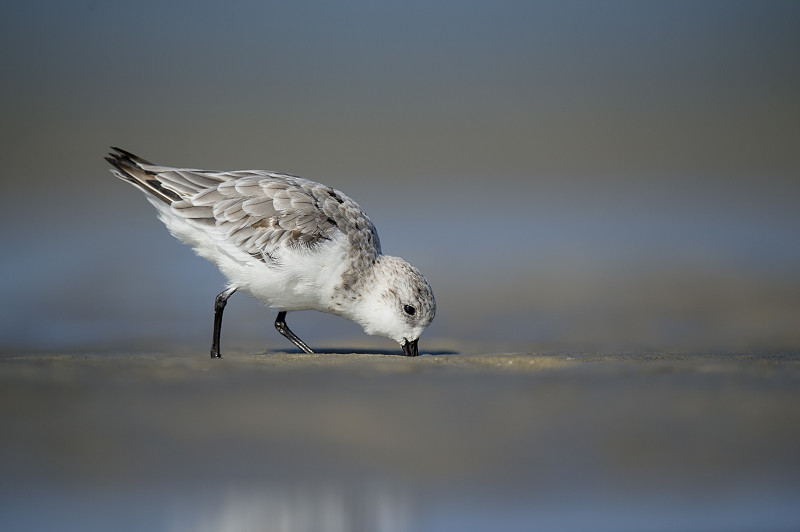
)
(287, 241)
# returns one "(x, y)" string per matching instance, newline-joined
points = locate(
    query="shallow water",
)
(543, 284)
(375, 442)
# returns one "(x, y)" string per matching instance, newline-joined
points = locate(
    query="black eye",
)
(409, 310)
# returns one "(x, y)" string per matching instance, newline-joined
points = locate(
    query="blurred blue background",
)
(568, 175)
(580, 176)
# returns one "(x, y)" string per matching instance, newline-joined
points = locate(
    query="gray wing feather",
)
(185, 209)
(248, 187)
(258, 212)
(199, 179)
(255, 210)
(233, 213)
(220, 208)
(261, 207)
(209, 196)
(183, 181)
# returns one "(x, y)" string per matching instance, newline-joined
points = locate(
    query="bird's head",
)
(397, 302)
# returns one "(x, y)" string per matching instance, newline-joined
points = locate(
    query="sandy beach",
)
(340, 441)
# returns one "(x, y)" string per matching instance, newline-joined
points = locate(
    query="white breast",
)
(299, 278)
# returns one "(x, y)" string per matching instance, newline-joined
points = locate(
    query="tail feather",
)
(128, 167)
(130, 156)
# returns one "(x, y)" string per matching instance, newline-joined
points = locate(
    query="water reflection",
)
(332, 507)
(382, 507)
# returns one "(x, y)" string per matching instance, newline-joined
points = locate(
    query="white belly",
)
(298, 278)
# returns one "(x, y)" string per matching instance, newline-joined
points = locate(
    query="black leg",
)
(219, 306)
(280, 324)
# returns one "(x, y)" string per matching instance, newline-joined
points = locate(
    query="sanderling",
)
(290, 242)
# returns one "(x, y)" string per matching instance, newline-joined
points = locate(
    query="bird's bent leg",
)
(219, 306)
(280, 324)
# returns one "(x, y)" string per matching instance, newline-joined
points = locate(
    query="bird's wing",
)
(259, 211)
(255, 210)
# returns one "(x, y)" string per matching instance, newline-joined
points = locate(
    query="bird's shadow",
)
(340, 351)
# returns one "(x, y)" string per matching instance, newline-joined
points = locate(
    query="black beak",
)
(410, 348)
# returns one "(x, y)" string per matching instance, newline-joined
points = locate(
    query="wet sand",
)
(284, 441)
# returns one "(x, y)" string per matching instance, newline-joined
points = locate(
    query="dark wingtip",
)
(128, 168)
(125, 154)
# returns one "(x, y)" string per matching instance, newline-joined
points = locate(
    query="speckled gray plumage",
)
(258, 210)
